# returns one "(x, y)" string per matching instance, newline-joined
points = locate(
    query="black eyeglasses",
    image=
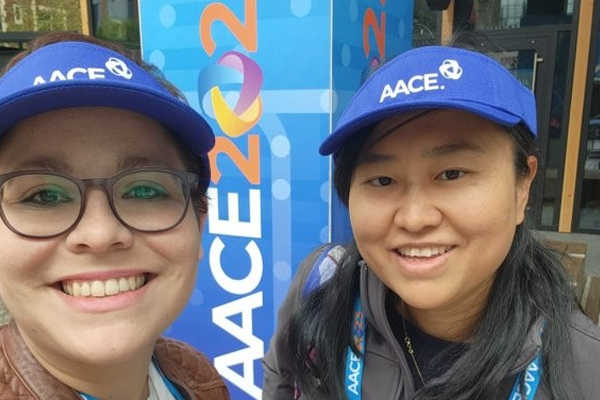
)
(42, 204)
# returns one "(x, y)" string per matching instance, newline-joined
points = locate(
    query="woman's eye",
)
(145, 193)
(451, 175)
(48, 198)
(382, 181)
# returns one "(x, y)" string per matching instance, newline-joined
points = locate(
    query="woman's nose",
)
(98, 228)
(417, 211)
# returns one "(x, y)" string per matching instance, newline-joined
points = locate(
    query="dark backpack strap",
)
(323, 268)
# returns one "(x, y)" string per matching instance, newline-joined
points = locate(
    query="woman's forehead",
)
(397, 121)
(97, 134)
(436, 128)
(88, 123)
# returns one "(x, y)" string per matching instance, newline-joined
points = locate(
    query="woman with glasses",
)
(444, 293)
(103, 174)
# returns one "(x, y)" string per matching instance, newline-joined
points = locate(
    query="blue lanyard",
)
(355, 363)
(529, 379)
(171, 387)
(167, 382)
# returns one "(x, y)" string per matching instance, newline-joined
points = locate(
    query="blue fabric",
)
(323, 269)
(434, 77)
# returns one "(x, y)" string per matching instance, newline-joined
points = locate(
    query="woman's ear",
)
(524, 188)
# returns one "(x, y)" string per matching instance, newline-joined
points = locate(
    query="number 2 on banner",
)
(244, 32)
(248, 166)
(370, 21)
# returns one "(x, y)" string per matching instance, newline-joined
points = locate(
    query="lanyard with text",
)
(528, 380)
(354, 363)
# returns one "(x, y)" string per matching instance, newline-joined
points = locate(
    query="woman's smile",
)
(423, 252)
(104, 288)
(423, 262)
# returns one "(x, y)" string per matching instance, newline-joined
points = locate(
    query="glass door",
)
(587, 215)
(530, 56)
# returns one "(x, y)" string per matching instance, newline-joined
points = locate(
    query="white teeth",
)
(112, 287)
(85, 289)
(423, 251)
(109, 287)
(97, 289)
(123, 285)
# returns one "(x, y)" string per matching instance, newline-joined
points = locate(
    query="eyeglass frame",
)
(190, 183)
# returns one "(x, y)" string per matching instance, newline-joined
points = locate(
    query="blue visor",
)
(436, 77)
(81, 74)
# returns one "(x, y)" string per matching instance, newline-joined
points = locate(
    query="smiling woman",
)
(443, 293)
(103, 175)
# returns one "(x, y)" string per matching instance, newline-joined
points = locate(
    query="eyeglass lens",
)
(44, 204)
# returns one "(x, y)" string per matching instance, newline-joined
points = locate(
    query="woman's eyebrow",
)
(375, 158)
(451, 148)
(132, 162)
(45, 162)
(432, 152)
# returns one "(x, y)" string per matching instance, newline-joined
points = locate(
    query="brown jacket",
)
(23, 378)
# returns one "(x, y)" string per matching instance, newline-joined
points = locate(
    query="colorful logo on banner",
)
(231, 68)
(264, 76)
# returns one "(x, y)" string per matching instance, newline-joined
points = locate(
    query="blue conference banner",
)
(271, 78)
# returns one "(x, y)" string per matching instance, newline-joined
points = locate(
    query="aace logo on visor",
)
(118, 68)
(114, 65)
(450, 69)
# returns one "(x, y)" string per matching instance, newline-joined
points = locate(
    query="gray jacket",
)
(386, 374)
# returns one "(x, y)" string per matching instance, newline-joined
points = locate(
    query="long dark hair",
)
(531, 285)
